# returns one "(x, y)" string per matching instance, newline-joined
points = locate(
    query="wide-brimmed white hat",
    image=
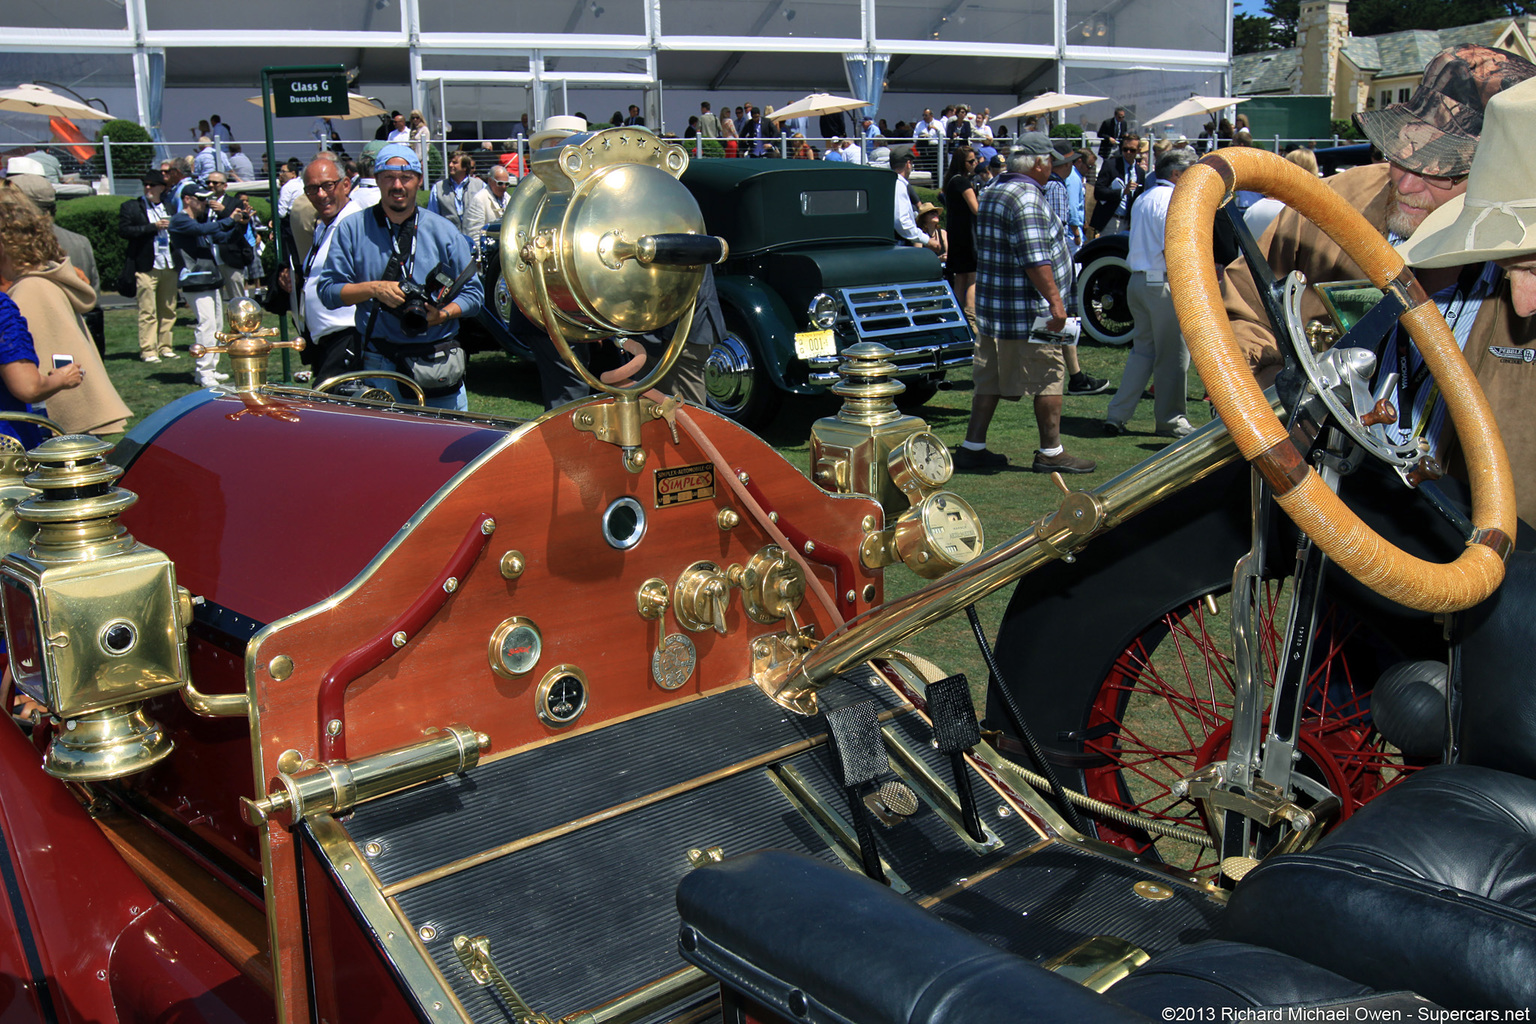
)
(1496, 218)
(555, 128)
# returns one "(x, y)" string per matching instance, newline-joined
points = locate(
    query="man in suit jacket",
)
(1120, 180)
(634, 120)
(1111, 131)
(143, 221)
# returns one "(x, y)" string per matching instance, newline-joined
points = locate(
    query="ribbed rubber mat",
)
(588, 916)
(443, 821)
(1054, 899)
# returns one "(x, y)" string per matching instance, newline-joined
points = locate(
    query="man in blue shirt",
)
(372, 252)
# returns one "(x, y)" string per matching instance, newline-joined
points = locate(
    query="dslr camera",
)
(440, 289)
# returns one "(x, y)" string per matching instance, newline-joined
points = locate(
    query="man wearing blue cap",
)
(373, 253)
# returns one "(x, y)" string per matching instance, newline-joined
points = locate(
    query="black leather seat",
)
(821, 944)
(1432, 885)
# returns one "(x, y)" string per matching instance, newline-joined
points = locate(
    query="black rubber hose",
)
(1016, 719)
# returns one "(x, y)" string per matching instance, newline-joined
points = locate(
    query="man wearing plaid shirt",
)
(1023, 273)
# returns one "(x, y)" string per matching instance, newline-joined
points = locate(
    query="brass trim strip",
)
(939, 795)
(391, 929)
(825, 819)
(631, 1006)
(1281, 466)
(955, 888)
(597, 817)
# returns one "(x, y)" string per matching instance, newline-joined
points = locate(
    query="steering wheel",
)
(1265, 442)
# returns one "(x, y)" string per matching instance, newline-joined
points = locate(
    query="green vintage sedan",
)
(814, 267)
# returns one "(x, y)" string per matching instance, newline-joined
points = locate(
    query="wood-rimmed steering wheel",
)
(1265, 442)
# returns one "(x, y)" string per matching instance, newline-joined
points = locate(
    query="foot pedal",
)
(859, 758)
(955, 731)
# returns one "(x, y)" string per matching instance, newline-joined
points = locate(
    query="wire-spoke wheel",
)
(1165, 709)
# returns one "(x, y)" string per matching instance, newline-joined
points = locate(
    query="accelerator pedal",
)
(955, 731)
(859, 760)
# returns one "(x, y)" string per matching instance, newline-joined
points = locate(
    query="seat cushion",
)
(1430, 887)
(821, 944)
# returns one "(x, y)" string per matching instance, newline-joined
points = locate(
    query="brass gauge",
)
(561, 696)
(941, 532)
(515, 647)
(920, 465)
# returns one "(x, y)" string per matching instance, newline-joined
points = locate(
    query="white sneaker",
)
(206, 380)
(220, 376)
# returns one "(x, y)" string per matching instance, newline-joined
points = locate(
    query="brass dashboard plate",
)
(673, 662)
(679, 485)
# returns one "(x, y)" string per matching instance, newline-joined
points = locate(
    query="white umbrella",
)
(1196, 105)
(817, 103)
(357, 106)
(1047, 103)
(34, 99)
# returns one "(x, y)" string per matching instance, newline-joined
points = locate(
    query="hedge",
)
(1067, 130)
(95, 217)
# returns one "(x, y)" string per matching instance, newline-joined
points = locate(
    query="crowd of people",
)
(1007, 221)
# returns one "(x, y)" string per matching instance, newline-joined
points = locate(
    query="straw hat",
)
(924, 208)
(1496, 218)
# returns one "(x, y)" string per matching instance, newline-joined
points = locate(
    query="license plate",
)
(809, 344)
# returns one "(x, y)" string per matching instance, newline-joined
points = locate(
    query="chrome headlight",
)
(822, 311)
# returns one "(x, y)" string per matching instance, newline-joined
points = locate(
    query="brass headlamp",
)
(94, 621)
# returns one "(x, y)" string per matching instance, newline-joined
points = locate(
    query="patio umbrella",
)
(817, 103)
(357, 106)
(27, 98)
(1047, 103)
(1196, 105)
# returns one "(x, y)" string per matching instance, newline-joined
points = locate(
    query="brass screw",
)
(427, 933)
(512, 565)
(373, 849)
(280, 667)
(333, 727)
(399, 638)
(488, 527)
(810, 546)
(742, 476)
(868, 524)
(450, 584)
(728, 518)
(850, 597)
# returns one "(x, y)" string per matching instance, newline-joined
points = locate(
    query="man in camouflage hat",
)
(1428, 144)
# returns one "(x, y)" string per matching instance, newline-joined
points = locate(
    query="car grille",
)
(886, 311)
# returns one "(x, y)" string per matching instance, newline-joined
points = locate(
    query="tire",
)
(1100, 292)
(737, 385)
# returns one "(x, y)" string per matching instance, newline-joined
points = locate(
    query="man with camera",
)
(196, 232)
(411, 276)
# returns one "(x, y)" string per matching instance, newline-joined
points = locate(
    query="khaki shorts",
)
(1014, 367)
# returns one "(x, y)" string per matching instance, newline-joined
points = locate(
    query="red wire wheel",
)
(1165, 710)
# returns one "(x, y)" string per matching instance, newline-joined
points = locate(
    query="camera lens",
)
(413, 317)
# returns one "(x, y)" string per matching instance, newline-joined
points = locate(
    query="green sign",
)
(309, 95)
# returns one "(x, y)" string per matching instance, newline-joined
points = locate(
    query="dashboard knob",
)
(701, 597)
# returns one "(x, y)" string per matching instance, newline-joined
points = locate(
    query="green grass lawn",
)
(1008, 501)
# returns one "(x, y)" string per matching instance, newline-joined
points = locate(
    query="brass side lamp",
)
(94, 621)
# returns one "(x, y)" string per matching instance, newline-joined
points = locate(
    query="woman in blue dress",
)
(21, 382)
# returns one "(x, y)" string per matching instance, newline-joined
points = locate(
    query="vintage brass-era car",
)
(358, 712)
